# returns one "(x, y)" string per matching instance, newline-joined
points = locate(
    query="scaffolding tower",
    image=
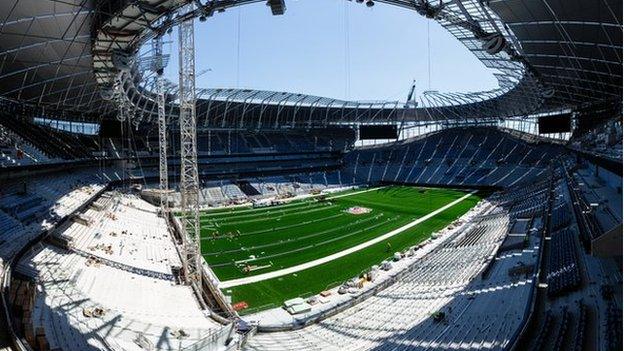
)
(189, 178)
(158, 66)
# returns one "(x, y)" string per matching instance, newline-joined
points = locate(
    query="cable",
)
(238, 47)
(347, 52)
(428, 57)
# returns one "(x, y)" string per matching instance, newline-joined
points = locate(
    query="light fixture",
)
(278, 7)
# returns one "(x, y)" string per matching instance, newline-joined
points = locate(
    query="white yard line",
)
(357, 192)
(322, 260)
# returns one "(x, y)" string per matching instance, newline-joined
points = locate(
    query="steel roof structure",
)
(72, 57)
(576, 46)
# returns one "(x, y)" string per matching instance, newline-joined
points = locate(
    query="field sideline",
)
(245, 242)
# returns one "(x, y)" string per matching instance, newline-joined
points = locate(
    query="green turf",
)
(295, 233)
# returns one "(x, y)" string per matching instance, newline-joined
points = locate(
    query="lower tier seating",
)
(437, 303)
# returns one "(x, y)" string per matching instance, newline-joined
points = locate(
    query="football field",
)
(264, 256)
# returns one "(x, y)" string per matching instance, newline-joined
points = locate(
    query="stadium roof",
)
(575, 46)
(64, 55)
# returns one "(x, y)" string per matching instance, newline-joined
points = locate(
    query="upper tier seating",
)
(54, 143)
(14, 151)
(223, 142)
(457, 156)
(605, 140)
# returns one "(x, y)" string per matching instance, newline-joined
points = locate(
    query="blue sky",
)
(310, 50)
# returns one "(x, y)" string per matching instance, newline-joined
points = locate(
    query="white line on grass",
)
(322, 260)
(355, 193)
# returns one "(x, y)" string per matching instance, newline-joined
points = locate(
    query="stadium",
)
(143, 207)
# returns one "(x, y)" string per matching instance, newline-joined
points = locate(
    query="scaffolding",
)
(158, 68)
(189, 178)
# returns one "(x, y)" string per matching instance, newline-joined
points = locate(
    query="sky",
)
(332, 48)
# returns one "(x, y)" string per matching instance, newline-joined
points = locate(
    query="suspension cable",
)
(428, 57)
(238, 47)
(347, 53)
